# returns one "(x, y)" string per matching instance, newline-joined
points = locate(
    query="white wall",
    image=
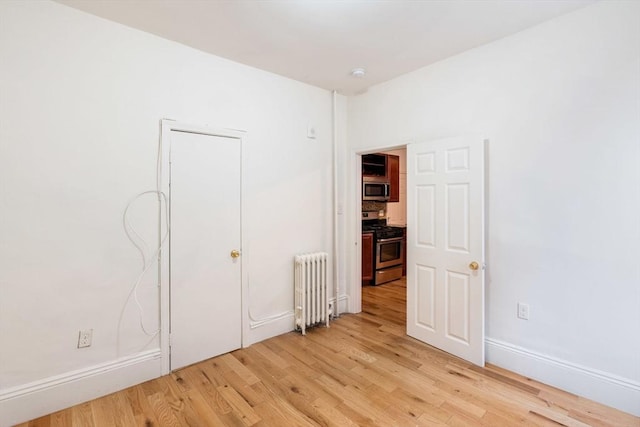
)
(80, 106)
(560, 104)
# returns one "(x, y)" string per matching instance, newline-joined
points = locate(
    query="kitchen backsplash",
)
(370, 206)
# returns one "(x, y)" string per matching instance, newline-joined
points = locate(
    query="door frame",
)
(354, 223)
(164, 262)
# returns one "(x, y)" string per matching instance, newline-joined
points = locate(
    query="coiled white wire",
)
(143, 249)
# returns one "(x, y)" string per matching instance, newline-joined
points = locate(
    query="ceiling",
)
(320, 41)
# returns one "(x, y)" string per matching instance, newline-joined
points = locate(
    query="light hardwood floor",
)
(362, 371)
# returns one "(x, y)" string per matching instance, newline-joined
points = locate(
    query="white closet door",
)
(205, 284)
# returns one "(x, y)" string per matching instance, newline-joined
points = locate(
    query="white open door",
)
(445, 245)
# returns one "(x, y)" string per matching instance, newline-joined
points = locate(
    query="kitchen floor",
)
(387, 301)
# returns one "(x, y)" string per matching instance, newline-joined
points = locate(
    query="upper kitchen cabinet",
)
(374, 167)
(383, 168)
(397, 209)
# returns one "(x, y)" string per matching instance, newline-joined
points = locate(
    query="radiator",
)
(311, 299)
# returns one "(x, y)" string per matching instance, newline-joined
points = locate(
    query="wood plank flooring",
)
(362, 371)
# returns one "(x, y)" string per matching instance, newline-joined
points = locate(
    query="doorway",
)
(384, 233)
(445, 245)
(201, 280)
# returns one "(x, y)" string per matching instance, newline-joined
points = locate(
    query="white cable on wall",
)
(142, 248)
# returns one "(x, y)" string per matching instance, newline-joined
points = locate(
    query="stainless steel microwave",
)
(378, 191)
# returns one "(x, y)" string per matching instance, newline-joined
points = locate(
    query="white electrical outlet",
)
(523, 311)
(84, 338)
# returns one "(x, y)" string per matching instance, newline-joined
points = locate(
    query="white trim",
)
(265, 329)
(257, 323)
(167, 126)
(285, 322)
(354, 229)
(32, 400)
(334, 216)
(341, 307)
(343, 303)
(603, 387)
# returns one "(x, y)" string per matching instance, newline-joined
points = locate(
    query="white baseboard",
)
(261, 330)
(343, 303)
(605, 388)
(29, 401)
(272, 326)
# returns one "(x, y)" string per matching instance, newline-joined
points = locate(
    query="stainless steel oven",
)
(389, 259)
(389, 252)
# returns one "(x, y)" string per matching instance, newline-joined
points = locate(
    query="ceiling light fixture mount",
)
(358, 72)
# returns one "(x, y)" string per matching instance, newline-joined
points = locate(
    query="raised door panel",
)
(457, 306)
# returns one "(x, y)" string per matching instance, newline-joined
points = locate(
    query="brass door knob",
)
(235, 253)
(474, 265)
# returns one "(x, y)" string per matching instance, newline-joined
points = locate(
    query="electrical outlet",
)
(84, 338)
(523, 311)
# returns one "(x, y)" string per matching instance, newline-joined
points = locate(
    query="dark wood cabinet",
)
(367, 257)
(404, 252)
(374, 166)
(393, 174)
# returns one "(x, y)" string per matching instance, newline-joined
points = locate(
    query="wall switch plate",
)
(311, 132)
(523, 311)
(84, 338)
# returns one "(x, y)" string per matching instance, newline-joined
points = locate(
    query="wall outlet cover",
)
(84, 338)
(523, 311)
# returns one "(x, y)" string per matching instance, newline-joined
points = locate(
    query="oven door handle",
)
(392, 239)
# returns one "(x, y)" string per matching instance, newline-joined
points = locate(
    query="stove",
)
(389, 247)
(383, 231)
(376, 222)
